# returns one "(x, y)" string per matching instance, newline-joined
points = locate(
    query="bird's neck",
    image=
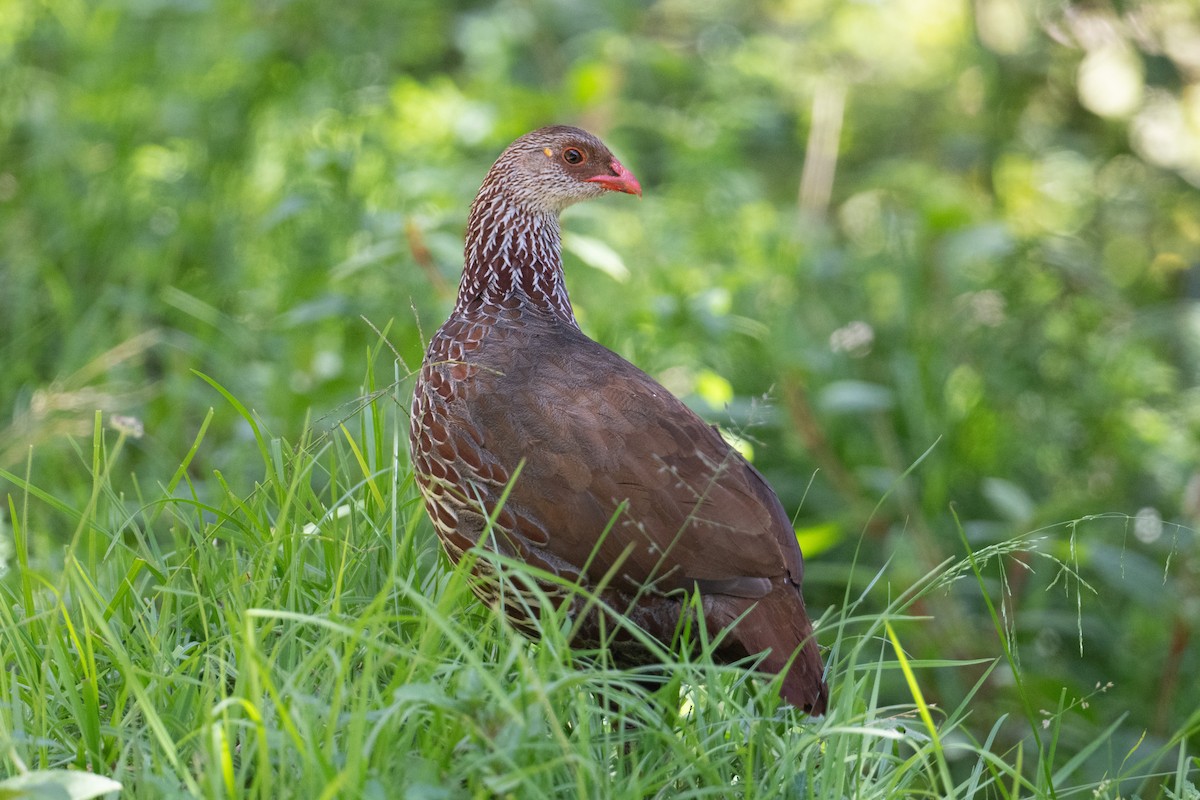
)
(513, 251)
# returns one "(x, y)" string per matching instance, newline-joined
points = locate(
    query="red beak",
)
(621, 180)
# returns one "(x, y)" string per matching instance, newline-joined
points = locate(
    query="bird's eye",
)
(573, 155)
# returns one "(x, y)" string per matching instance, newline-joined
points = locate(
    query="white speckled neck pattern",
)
(512, 249)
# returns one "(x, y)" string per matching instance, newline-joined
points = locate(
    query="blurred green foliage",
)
(869, 229)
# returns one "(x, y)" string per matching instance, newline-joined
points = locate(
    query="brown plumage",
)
(510, 378)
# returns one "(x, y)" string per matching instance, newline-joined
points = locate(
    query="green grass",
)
(305, 638)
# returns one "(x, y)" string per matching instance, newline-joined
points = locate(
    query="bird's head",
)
(552, 168)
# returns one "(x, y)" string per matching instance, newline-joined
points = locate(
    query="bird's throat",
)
(513, 251)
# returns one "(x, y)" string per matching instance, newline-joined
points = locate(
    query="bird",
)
(529, 438)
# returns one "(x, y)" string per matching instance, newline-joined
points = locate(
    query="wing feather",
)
(594, 432)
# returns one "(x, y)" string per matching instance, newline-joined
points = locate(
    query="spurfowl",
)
(621, 487)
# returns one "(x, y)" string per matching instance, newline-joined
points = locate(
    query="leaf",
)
(743, 446)
(1010, 500)
(855, 397)
(818, 538)
(57, 784)
(714, 389)
(597, 254)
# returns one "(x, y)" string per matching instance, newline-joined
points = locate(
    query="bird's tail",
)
(779, 623)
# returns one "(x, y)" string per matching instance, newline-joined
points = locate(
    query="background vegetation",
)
(870, 233)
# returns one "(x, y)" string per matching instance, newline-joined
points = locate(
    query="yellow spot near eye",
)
(548, 152)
